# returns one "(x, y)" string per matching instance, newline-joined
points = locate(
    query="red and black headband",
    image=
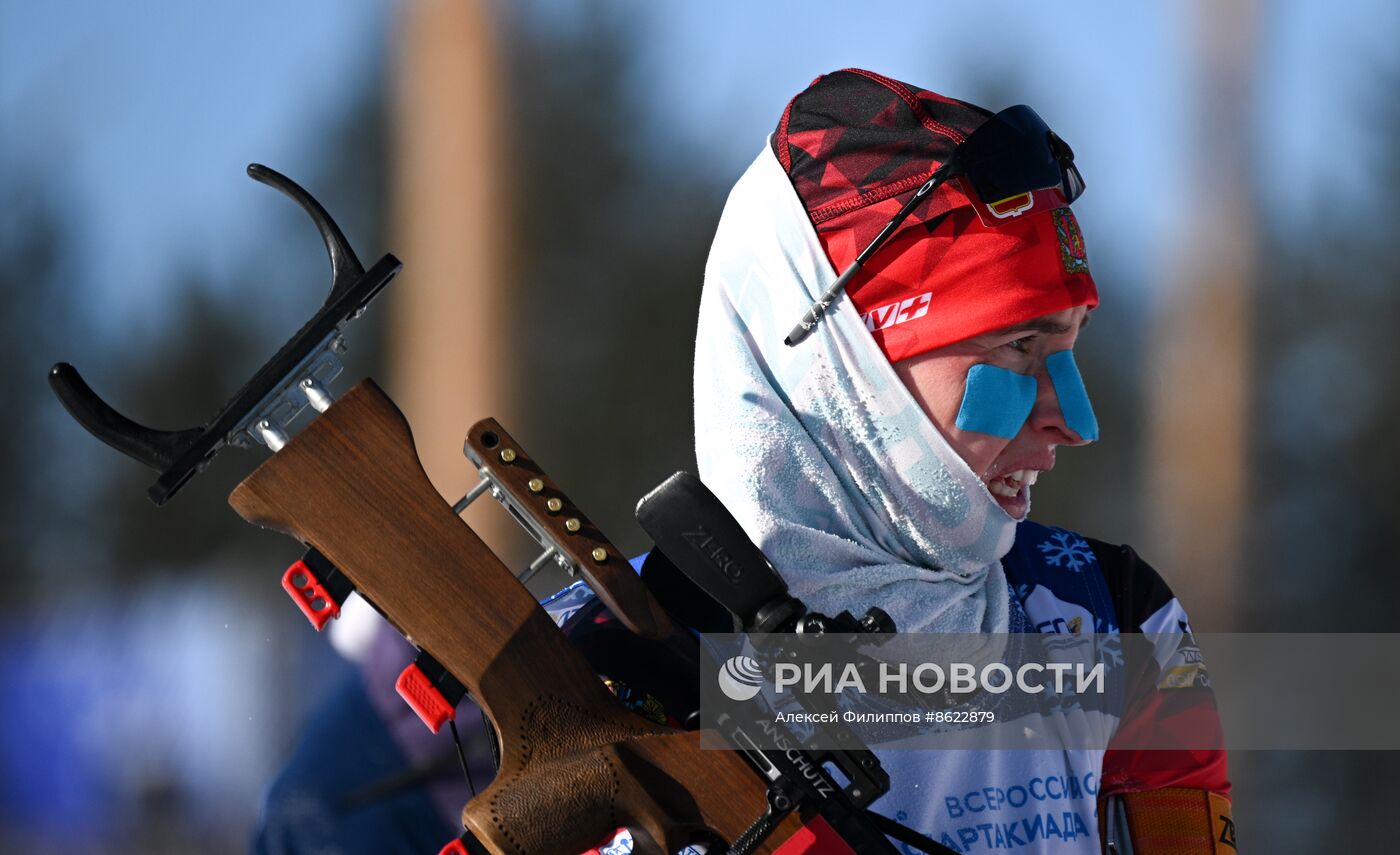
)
(858, 146)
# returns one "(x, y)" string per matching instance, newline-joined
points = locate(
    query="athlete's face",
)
(1007, 466)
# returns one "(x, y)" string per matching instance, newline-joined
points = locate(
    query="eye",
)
(1022, 344)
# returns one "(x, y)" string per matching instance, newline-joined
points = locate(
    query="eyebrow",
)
(1044, 326)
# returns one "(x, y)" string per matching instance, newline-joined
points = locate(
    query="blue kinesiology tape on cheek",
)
(1074, 401)
(996, 401)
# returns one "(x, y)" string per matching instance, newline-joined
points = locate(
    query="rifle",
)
(574, 764)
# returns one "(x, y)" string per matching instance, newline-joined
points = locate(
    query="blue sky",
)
(143, 114)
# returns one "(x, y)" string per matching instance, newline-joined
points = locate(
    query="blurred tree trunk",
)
(450, 359)
(1199, 367)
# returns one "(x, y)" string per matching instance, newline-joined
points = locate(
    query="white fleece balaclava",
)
(819, 450)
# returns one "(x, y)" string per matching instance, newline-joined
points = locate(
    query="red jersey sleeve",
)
(1174, 705)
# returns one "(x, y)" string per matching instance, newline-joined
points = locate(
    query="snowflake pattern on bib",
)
(1066, 549)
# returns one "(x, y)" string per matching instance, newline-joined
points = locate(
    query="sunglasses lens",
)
(1013, 153)
(1073, 183)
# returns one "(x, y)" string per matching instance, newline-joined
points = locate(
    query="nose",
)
(1047, 419)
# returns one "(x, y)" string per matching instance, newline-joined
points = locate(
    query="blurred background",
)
(551, 174)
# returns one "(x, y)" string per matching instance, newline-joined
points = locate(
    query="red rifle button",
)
(310, 595)
(456, 847)
(425, 699)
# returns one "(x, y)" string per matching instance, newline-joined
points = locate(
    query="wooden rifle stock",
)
(575, 764)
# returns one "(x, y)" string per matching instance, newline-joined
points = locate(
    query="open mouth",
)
(1010, 484)
(1012, 491)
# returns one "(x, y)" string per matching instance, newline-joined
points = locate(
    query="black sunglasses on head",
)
(1013, 153)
